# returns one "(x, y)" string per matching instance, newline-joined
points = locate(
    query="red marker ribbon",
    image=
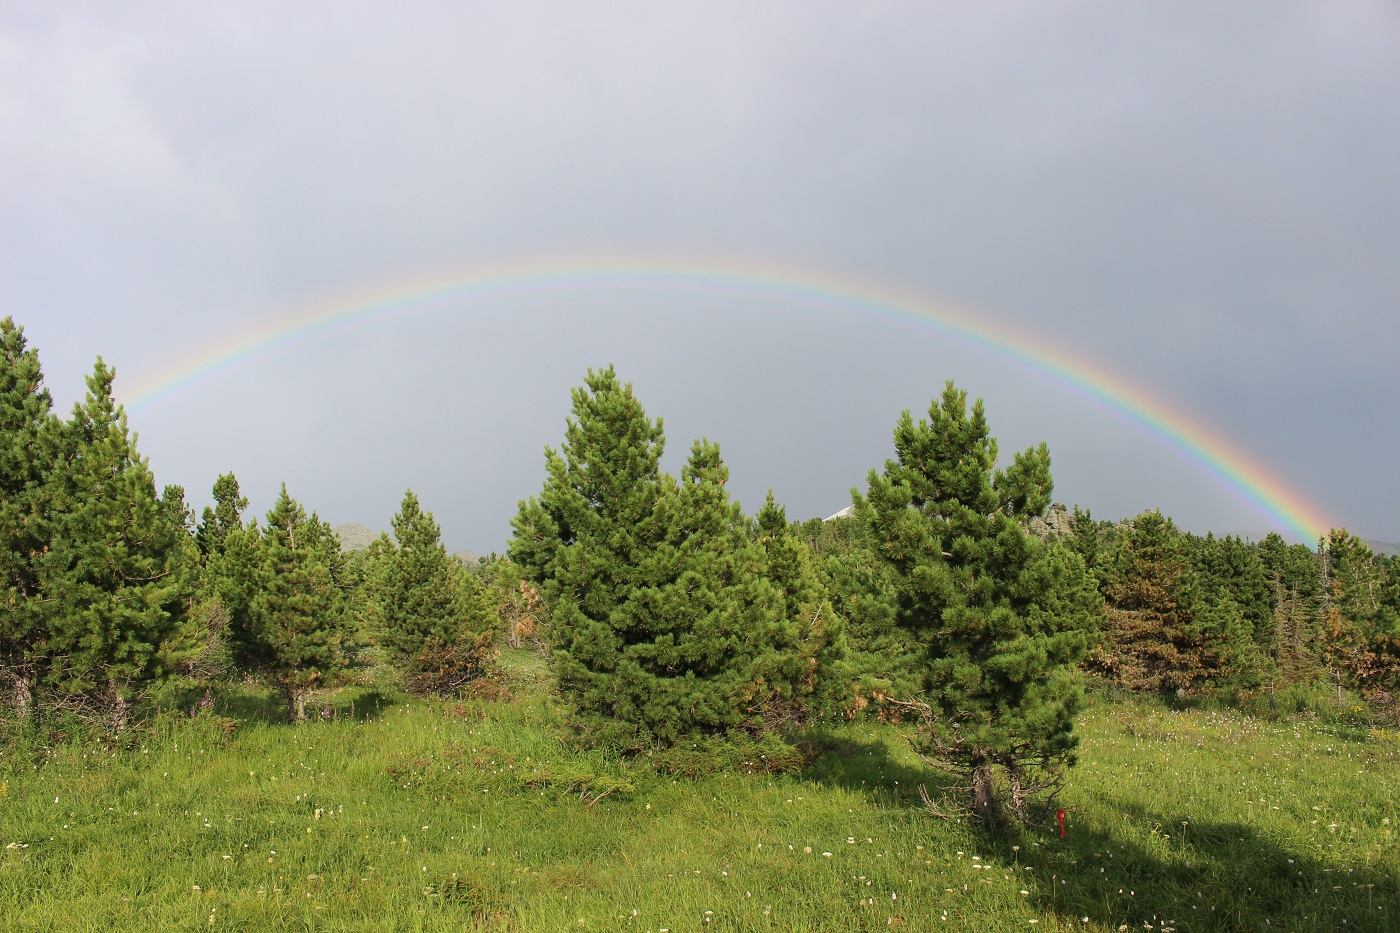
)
(1060, 814)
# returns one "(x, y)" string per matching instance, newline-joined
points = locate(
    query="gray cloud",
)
(1199, 198)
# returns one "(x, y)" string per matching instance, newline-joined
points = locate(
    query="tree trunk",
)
(984, 801)
(24, 697)
(117, 715)
(296, 704)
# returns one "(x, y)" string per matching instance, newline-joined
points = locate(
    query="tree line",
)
(1268, 624)
(115, 596)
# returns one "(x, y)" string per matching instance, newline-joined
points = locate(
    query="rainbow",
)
(1197, 442)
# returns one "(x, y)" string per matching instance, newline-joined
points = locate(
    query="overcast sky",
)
(1201, 198)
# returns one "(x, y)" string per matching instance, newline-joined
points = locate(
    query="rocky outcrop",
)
(1057, 523)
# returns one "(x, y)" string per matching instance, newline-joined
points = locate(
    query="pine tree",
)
(1087, 537)
(1233, 611)
(231, 555)
(1362, 641)
(298, 614)
(207, 660)
(222, 518)
(824, 675)
(1152, 640)
(662, 620)
(882, 659)
(1230, 568)
(1002, 617)
(582, 540)
(708, 645)
(436, 625)
(28, 439)
(1357, 580)
(117, 576)
(366, 573)
(1295, 644)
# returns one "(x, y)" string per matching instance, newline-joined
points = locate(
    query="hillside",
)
(354, 537)
(1388, 548)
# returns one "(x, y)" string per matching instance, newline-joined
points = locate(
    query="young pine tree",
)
(882, 659)
(822, 674)
(230, 557)
(223, 518)
(28, 450)
(663, 622)
(1003, 619)
(117, 575)
(366, 573)
(436, 625)
(706, 641)
(1233, 612)
(1295, 643)
(298, 615)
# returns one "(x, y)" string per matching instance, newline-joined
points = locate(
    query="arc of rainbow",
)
(1224, 461)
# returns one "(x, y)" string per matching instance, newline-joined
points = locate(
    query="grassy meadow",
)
(390, 814)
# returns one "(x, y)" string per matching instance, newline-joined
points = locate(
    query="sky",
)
(1191, 205)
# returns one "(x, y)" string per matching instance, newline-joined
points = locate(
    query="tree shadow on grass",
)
(368, 704)
(867, 766)
(1198, 876)
(1185, 875)
(248, 705)
(265, 706)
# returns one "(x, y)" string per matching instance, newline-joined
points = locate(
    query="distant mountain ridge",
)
(1384, 548)
(355, 537)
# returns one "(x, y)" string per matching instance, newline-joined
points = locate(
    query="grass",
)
(398, 815)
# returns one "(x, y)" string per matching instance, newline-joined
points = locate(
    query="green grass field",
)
(398, 815)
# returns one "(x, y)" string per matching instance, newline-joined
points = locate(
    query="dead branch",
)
(942, 809)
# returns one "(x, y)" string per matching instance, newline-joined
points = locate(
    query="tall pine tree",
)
(117, 575)
(582, 540)
(28, 450)
(1003, 618)
(663, 621)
